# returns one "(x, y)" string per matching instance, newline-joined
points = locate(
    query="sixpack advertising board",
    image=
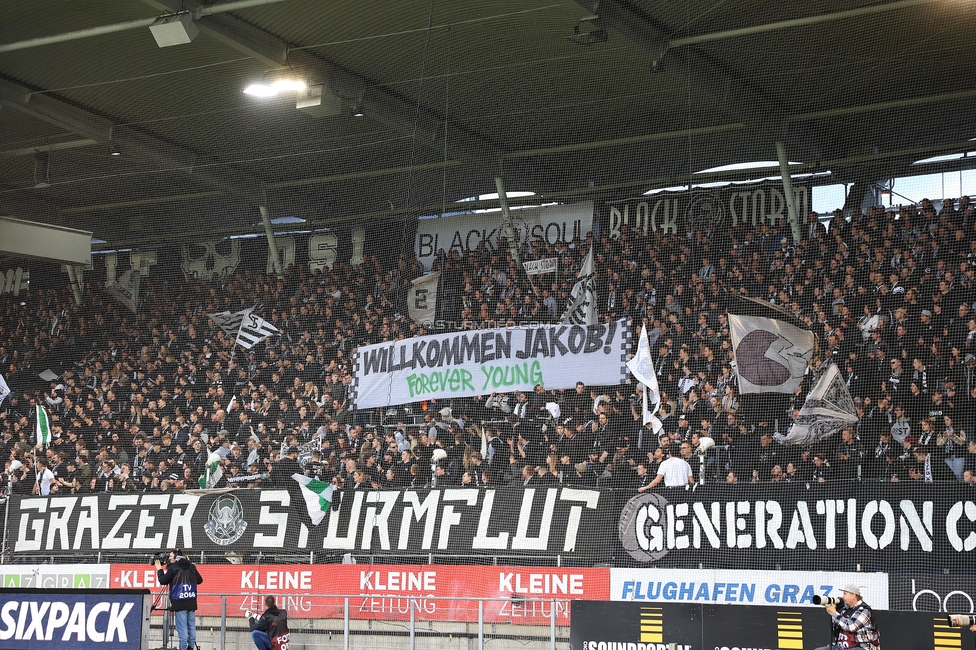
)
(71, 619)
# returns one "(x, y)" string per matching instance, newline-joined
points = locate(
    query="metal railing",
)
(353, 622)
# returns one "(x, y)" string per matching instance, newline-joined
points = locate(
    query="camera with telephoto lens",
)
(827, 600)
(162, 557)
(961, 620)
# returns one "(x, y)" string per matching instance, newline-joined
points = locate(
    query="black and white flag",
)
(582, 300)
(126, 289)
(771, 353)
(247, 328)
(422, 298)
(827, 409)
(4, 389)
(642, 368)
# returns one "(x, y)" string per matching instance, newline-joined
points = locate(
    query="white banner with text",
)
(480, 362)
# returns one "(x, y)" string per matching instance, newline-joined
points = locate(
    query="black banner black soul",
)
(633, 626)
(824, 527)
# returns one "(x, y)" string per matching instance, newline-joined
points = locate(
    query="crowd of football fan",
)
(142, 401)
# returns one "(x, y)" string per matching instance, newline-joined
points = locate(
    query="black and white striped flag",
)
(247, 328)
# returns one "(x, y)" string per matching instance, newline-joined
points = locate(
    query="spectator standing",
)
(674, 472)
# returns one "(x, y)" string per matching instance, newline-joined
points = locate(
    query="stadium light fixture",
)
(274, 88)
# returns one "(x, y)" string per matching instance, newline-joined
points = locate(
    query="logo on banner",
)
(226, 524)
(705, 212)
(210, 257)
(634, 526)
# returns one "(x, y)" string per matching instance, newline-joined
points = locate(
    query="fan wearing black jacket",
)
(182, 577)
(263, 626)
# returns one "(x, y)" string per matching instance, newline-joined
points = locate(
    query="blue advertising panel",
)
(70, 619)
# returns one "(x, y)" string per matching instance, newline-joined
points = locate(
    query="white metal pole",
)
(272, 244)
(507, 220)
(552, 625)
(75, 281)
(124, 26)
(223, 622)
(797, 22)
(481, 620)
(345, 624)
(784, 170)
(413, 625)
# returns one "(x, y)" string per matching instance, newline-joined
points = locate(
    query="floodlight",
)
(174, 29)
(265, 89)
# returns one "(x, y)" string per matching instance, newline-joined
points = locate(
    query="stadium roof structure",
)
(412, 105)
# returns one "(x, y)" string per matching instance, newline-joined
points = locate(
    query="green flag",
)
(43, 429)
(318, 496)
(213, 473)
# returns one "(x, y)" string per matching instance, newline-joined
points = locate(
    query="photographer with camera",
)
(269, 631)
(855, 625)
(182, 577)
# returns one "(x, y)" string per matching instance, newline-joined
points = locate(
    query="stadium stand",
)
(140, 401)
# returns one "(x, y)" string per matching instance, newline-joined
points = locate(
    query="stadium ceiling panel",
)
(449, 95)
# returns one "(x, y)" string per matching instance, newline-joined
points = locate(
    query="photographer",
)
(269, 626)
(855, 626)
(182, 578)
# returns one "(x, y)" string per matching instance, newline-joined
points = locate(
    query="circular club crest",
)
(226, 520)
(637, 518)
(706, 211)
(754, 366)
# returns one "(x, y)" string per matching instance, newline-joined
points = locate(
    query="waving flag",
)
(827, 409)
(771, 353)
(43, 429)
(582, 300)
(247, 328)
(213, 473)
(642, 369)
(4, 389)
(317, 495)
(422, 298)
(126, 289)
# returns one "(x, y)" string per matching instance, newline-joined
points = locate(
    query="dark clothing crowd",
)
(144, 402)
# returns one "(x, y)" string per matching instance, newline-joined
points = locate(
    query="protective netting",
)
(420, 372)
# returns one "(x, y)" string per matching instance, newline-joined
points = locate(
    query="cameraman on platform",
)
(855, 626)
(182, 577)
